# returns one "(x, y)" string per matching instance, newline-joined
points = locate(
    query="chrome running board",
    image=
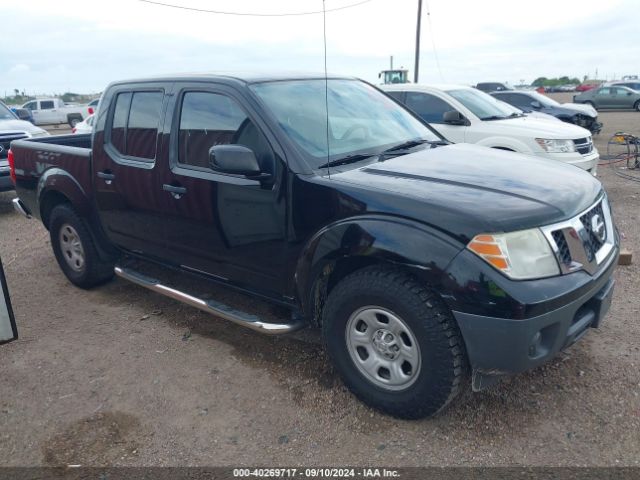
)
(210, 306)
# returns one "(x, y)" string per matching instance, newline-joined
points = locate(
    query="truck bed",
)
(35, 158)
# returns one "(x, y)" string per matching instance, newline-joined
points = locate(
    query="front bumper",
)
(5, 179)
(586, 162)
(499, 347)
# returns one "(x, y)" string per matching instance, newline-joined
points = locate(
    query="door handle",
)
(175, 191)
(108, 177)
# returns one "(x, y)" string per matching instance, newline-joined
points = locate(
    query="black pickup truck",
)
(424, 263)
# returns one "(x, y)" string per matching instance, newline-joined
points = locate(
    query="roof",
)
(421, 86)
(243, 77)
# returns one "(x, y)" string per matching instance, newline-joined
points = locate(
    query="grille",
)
(594, 243)
(583, 145)
(6, 139)
(563, 248)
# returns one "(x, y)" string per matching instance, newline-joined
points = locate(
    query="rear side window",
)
(134, 129)
(428, 107)
(46, 105)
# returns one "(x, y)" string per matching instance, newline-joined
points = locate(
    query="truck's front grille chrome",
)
(585, 241)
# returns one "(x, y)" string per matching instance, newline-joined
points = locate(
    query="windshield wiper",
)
(494, 117)
(405, 145)
(348, 159)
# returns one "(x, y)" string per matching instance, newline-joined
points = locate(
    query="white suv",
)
(467, 115)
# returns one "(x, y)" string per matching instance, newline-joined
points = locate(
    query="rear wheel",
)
(394, 342)
(637, 106)
(75, 250)
(74, 120)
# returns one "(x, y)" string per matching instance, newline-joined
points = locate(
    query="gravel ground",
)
(121, 376)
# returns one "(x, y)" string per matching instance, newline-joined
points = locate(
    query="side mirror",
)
(235, 160)
(454, 117)
(536, 104)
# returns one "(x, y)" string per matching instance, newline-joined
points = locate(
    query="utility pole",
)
(417, 63)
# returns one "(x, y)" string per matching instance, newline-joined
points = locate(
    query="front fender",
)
(506, 143)
(379, 239)
(60, 181)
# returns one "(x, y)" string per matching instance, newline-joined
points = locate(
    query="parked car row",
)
(12, 128)
(467, 115)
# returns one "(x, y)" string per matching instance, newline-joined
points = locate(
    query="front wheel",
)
(394, 342)
(75, 250)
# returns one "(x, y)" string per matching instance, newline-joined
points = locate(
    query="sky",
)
(57, 46)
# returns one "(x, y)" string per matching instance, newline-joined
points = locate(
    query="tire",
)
(73, 121)
(75, 250)
(637, 106)
(373, 296)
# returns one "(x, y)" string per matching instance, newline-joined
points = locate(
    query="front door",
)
(224, 225)
(127, 179)
(431, 109)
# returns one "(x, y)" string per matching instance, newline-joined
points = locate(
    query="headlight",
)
(519, 255)
(556, 146)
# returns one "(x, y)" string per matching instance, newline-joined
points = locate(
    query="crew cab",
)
(421, 261)
(12, 128)
(465, 114)
(49, 111)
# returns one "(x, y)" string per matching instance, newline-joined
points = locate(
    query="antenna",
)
(326, 79)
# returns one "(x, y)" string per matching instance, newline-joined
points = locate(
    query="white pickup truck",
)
(47, 111)
(467, 115)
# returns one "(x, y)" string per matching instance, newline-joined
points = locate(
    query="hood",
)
(468, 189)
(542, 116)
(20, 126)
(580, 107)
(533, 127)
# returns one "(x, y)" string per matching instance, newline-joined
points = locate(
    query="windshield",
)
(543, 99)
(5, 113)
(481, 104)
(361, 119)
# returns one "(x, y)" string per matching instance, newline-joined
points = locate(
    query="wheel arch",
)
(58, 186)
(350, 245)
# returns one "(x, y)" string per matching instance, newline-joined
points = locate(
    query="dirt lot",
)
(118, 375)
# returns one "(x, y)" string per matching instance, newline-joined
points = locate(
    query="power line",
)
(248, 14)
(433, 42)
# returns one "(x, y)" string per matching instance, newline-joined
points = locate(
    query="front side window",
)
(604, 91)
(360, 118)
(134, 128)
(46, 105)
(31, 106)
(428, 107)
(209, 119)
(482, 105)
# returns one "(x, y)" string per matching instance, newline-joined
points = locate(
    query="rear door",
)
(48, 112)
(127, 168)
(224, 225)
(431, 109)
(603, 98)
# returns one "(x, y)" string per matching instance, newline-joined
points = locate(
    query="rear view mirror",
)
(8, 330)
(454, 117)
(235, 160)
